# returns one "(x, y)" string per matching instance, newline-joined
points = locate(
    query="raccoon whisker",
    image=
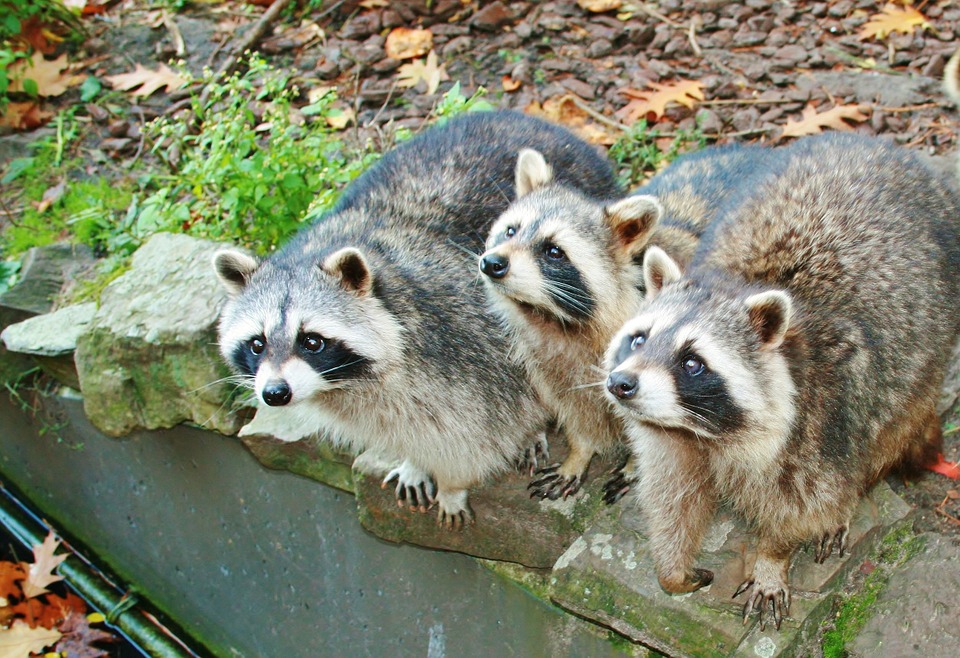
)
(573, 301)
(342, 365)
(599, 384)
(460, 247)
(566, 288)
(600, 369)
(241, 381)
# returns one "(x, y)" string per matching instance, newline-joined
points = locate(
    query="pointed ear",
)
(632, 220)
(532, 172)
(234, 269)
(349, 265)
(659, 270)
(769, 314)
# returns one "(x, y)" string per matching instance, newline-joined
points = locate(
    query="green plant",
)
(13, 15)
(638, 155)
(453, 102)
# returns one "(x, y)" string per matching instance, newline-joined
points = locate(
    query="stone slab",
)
(311, 458)
(607, 575)
(50, 334)
(918, 613)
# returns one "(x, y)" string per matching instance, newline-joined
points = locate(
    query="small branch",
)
(749, 101)
(179, 46)
(692, 37)
(649, 11)
(596, 115)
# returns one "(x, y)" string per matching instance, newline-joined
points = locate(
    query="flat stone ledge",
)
(50, 334)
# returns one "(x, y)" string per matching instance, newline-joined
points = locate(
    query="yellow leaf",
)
(654, 101)
(813, 122)
(148, 81)
(41, 573)
(20, 640)
(407, 43)
(893, 19)
(338, 119)
(50, 75)
(427, 70)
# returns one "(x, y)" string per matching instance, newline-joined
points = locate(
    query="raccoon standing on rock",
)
(562, 270)
(798, 359)
(367, 329)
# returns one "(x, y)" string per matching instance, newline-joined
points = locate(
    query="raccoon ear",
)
(349, 265)
(234, 269)
(632, 219)
(769, 314)
(532, 172)
(658, 271)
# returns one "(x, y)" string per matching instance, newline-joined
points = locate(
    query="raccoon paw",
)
(759, 594)
(530, 458)
(454, 511)
(552, 484)
(414, 488)
(823, 548)
(618, 485)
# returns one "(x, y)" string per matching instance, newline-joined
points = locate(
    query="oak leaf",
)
(651, 103)
(50, 76)
(48, 611)
(426, 69)
(814, 122)
(10, 573)
(893, 19)
(40, 573)
(148, 81)
(407, 43)
(19, 641)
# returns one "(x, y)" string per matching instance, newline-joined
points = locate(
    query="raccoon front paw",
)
(414, 488)
(553, 484)
(618, 485)
(530, 459)
(759, 594)
(454, 511)
(837, 539)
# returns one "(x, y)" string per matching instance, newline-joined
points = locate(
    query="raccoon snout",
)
(494, 266)
(623, 385)
(277, 393)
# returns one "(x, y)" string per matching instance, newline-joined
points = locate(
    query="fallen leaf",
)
(48, 611)
(339, 118)
(407, 43)
(373, 4)
(427, 70)
(564, 110)
(813, 122)
(148, 81)
(38, 34)
(893, 19)
(510, 84)
(652, 103)
(24, 116)
(40, 574)
(49, 75)
(947, 468)
(599, 6)
(79, 638)
(19, 641)
(10, 573)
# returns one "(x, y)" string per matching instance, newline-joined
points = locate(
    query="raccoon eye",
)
(312, 343)
(510, 232)
(693, 366)
(638, 340)
(553, 252)
(257, 345)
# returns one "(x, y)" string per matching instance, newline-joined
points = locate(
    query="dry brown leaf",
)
(893, 19)
(40, 574)
(10, 574)
(374, 4)
(510, 84)
(19, 641)
(80, 639)
(564, 110)
(426, 69)
(24, 116)
(813, 122)
(407, 43)
(600, 6)
(653, 102)
(148, 81)
(50, 75)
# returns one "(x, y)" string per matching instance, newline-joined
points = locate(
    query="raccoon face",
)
(295, 330)
(700, 359)
(557, 253)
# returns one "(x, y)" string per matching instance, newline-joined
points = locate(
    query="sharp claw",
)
(743, 588)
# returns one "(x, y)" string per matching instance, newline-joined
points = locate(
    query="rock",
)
(52, 339)
(491, 17)
(149, 357)
(607, 576)
(361, 26)
(311, 458)
(917, 612)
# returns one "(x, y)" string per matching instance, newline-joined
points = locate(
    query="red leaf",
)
(10, 573)
(943, 467)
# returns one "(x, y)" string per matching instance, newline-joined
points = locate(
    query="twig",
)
(376, 116)
(143, 136)
(692, 36)
(596, 115)
(939, 510)
(749, 101)
(649, 11)
(912, 108)
(179, 46)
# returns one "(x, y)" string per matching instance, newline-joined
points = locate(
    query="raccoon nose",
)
(623, 385)
(494, 266)
(277, 393)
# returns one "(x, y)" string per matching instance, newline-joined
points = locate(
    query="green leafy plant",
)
(638, 155)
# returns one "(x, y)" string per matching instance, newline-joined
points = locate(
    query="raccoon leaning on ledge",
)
(562, 269)
(798, 359)
(368, 327)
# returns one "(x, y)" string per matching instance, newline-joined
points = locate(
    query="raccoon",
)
(562, 269)
(368, 328)
(796, 362)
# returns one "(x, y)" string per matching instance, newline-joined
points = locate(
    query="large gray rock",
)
(149, 357)
(51, 339)
(918, 612)
(607, 576)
